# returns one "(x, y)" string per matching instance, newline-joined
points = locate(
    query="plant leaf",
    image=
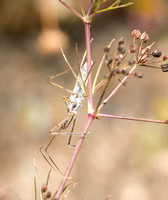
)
(114, 6)
(96, 5)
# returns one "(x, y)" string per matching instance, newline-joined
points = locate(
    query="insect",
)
(74, 102)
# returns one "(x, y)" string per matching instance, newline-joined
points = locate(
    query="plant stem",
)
(133, 118)
(88, 49)
(74, 156)
(90, 118)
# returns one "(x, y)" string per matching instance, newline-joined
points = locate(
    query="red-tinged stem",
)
(71, 9)
(118, 86)
(133, 118)
(74, 156)
(88, 48)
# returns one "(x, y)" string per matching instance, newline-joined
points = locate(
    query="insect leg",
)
(70, 137)
(60, 124)
(57, 85)
(48, 158)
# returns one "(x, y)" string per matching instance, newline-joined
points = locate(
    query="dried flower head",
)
(106, 49)
(136, 34)
(110, 61)
(131, 62)
(121, 49)
(48, 195)
(144, 37)
(43, 188)
(117, 59)
(138, 74)
(121, 41)
(133, 48)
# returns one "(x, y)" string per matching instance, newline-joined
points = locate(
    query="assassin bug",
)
(73, 103)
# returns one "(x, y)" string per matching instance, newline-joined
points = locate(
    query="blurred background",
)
(125, 159)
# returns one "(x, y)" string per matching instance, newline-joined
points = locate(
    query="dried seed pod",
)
(117, 59)
(165, 57)
(119, 71)
(143, 59)
(131, 62)
(106, 76)
(121, 41)
(136, 34)
(133, 48)
(121, 49)
(126, 73)
(146, 50)
(144, 37)
(156, 53)
(43, 188)
(122, 71)
(106, 49)
(138, 75)
(164, 67)
(48, 195)
(125, 84)
(110, 61)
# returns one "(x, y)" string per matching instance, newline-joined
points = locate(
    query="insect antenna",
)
(79, 68)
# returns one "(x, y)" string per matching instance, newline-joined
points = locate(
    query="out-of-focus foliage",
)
(147, 14)
(18, 17)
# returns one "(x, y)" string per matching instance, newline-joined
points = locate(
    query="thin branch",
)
(133, 118)
(118, 86)
(71, 9)
(82, 7)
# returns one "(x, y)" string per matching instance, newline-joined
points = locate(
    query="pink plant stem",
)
(118, 86)
(72, 161)
(133, 118)
(88, 48)
(90, 119)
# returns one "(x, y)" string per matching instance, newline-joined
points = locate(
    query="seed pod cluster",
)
(138, 54)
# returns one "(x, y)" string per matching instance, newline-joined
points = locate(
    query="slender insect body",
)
(75, 100)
